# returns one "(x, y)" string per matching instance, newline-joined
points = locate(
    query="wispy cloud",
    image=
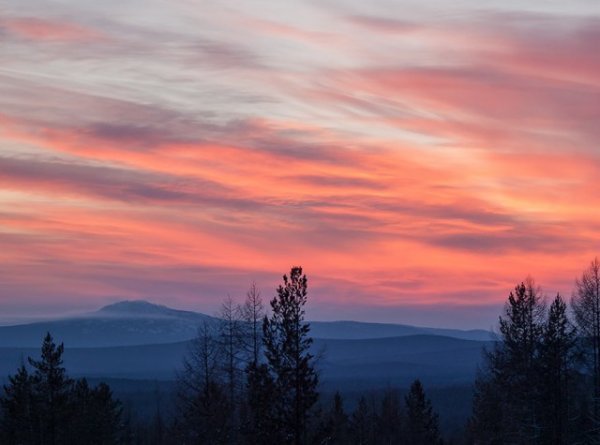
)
(405, 160)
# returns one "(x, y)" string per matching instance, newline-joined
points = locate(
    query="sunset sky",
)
(418, 159)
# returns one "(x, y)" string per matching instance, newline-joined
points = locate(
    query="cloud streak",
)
(404, 160)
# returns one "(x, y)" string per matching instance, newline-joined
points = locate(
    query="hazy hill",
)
(124, 323)
(362, 330)
(139, 322)
(344, 363)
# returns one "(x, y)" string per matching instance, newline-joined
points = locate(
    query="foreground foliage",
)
(46, 407)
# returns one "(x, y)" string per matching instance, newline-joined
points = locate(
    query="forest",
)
(251, 378)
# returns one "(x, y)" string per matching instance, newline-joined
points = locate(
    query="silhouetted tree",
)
(333, 427)
(17, 410)
(389, 420)
(515, 363)
(361, 424)
(487, 426)
(557, 372)
(202, 400)
(586, 307)
(287, 344)
(51, 387)
(96, 417)
(231, 342)
(422, 423)
(47, 407)
(253, 312)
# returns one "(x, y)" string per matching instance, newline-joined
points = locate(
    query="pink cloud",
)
(44, 30)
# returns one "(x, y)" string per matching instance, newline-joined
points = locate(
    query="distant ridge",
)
(143, 308)
(135, 307)
(139, 322)
(356, 330)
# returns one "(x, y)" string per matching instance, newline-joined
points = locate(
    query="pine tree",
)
(261, 422)
(95, 416)
(16, 425)
(557, 371)
(521, 332)
(507, 403)
(422, 423)
(333, 428)
(361, 424)
(586, 307)
(389, 420)
(51, 387)
(287, 344)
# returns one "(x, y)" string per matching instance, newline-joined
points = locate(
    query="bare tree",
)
(203, 408)
(253, 312)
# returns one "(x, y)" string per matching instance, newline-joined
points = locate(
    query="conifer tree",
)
(557, 371)
(507, 403)
(261, 421)
(586, 307)
(333, 429)
(287, 344)
(422, 423)
(16, 425)
(521, 333)
(361, 424)
(51, 387)
(389, 420)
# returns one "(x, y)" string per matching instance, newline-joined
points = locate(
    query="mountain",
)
(361, 330)
(344, 364)
(129, 323)
(120, 324)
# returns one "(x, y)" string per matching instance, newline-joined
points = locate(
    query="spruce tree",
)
(521, 332)
(389, 420)
(508, 391)
(16, 424)
(287, 345)
(51, 388)
(261, 422)
(557, 371)
(333, 428)
(361, 424)
(422, 423)
(586, 307)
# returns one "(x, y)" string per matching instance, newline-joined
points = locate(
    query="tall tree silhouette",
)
(231, 343)
(557, 369)
(202, 401)
(422, 423)
(586, 306)
(361, 425)
(51, 387)
(17, 422)
(287, 344)
(389, 420)
(96, 416)
(253, 312)
(507, 398)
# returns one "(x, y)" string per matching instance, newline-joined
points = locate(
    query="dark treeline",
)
(541, 382)
(251, 378)
(47, 407)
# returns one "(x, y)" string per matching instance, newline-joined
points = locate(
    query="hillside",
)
(131, 323)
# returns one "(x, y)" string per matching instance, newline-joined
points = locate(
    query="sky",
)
(417, 158)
